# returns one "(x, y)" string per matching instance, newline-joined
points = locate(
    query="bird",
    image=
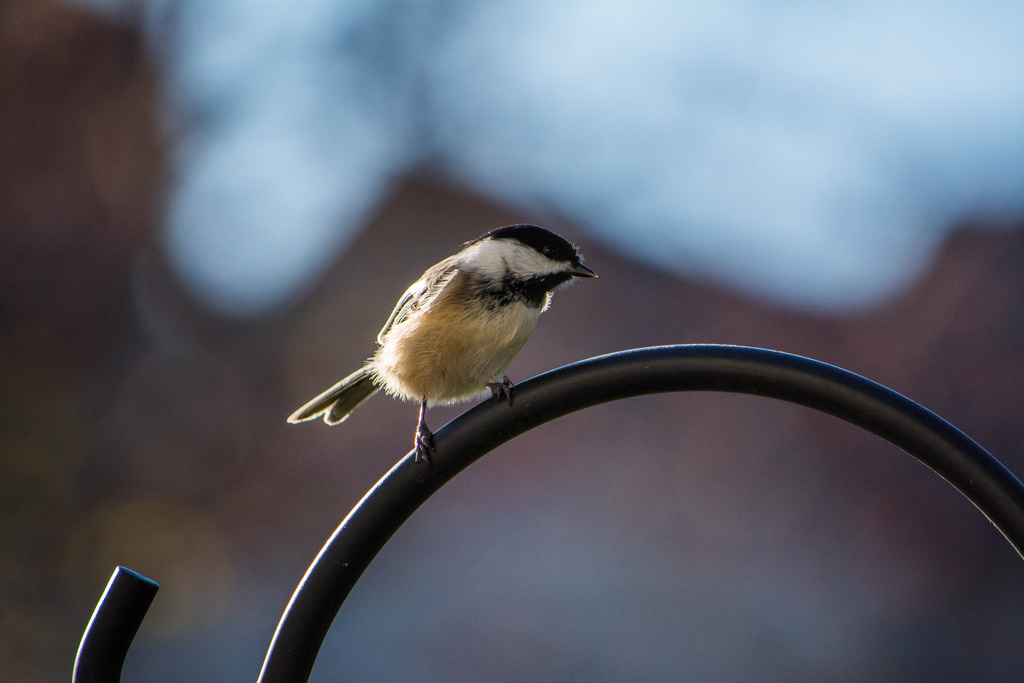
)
(454, 332)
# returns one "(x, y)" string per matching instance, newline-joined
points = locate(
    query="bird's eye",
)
(548, 251)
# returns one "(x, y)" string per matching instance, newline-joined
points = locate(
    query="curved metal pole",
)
(916, 430)
(113, 626)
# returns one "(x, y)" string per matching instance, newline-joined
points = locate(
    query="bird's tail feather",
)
(338, 402)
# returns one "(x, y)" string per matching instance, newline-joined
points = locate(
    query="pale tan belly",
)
(449, 356)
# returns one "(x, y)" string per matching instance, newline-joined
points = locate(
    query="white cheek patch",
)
(494, 258)
(486, 258)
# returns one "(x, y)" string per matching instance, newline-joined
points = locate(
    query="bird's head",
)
(525, 252)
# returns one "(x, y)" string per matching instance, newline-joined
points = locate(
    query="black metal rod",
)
(916, 430)
(113, 626)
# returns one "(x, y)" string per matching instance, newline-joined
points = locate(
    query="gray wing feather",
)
(419, 294)
(339, 401)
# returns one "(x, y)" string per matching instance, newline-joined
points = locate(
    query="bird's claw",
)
(423, 444)
(502, 390)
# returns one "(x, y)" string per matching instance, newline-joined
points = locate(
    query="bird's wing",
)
(420, 293)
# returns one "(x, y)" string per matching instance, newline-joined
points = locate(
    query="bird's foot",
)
(502, 390)
(423, 443)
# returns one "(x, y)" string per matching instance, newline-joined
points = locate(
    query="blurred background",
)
(207, 210)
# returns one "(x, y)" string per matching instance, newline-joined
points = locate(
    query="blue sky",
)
(813, 154)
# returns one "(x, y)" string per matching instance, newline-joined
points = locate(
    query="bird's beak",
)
(582, 271)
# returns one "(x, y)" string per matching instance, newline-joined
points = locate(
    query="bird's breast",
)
(448, 352)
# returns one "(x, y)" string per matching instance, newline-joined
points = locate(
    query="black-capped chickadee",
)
(455, 331)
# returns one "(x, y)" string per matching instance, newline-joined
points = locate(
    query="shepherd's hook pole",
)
(916, 430)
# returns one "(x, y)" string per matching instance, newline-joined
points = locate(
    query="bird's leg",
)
(502, 389)
(424, 441)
